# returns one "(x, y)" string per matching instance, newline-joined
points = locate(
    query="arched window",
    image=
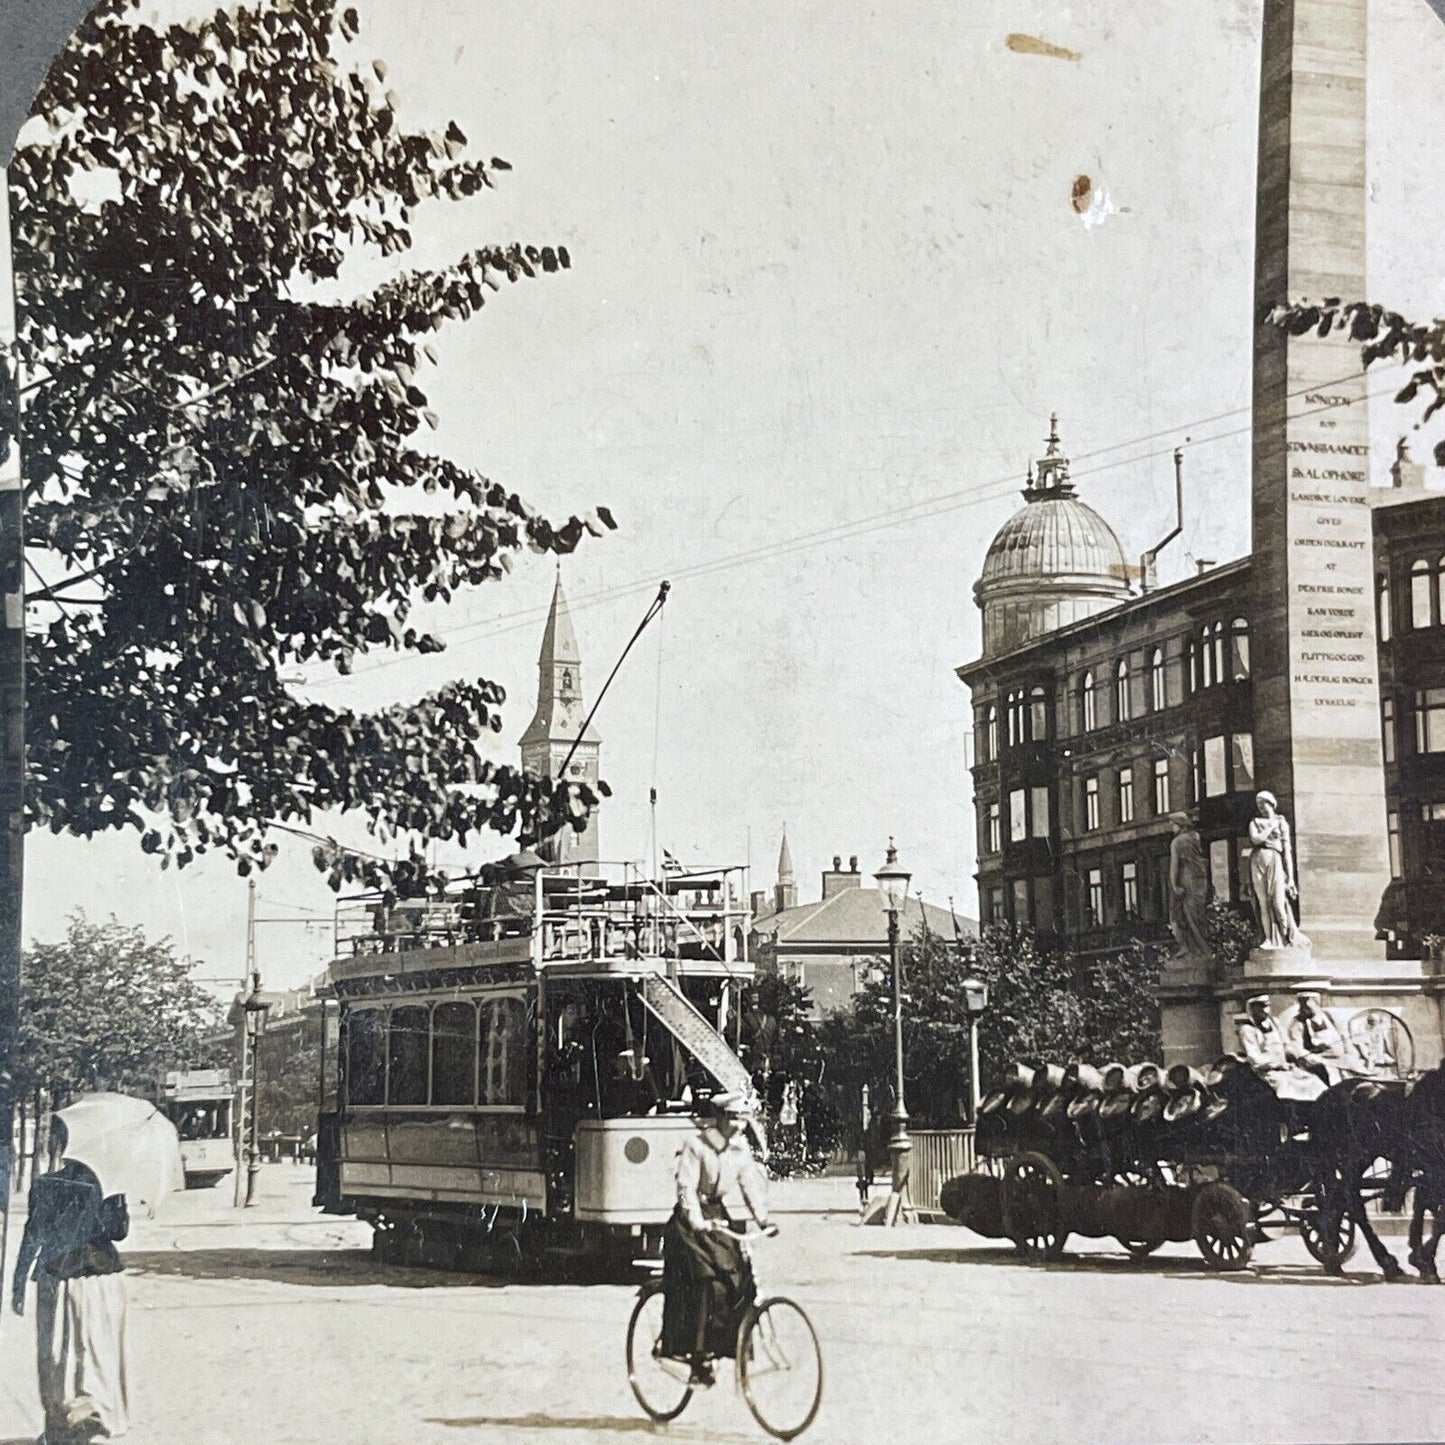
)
(1239, 649)
(364, 1052)
(1420, 589)
(1088, 705)
(1216, 647)
(991, 732)
(454, 1053)
(1382, 606)
(408, 1042)
(1038, 715)
(1158, 692)
(502, 1052)
(1121, 691)
(1016, 716)
(1439, 579)
(1194, 682)
(1387, 719)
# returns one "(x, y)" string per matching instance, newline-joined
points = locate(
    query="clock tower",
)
(557, 725)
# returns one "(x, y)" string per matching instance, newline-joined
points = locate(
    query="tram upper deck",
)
(560, 919)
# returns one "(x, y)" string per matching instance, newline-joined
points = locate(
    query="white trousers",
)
(80, 1352)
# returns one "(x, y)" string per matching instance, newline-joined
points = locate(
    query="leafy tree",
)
(784, 1053)
(1044, 1002)
(107, 1008)
(288, 1066)
(221, 445)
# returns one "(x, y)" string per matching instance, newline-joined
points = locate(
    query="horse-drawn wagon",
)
(1147, 1156)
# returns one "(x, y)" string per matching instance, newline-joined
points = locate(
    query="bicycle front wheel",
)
(660, 1384)
(780, 1368)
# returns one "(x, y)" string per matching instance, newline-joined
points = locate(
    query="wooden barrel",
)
(1184, 1076)
(1083, 1078)
(975, 1201)
(1020, 1104)
(992, 1102)
(1184, 1104)
(1113, 1078)
(1048, 1079)
(1020, 1075)
(1117, 1104)
(1148, 1105)
(1084, 1105)
(1147, 1076)
(1053, 1106)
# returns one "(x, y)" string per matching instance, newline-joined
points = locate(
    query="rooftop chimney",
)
(853, 863)
(835, 880)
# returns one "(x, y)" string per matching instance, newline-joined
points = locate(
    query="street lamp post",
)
(893, 880)
(255, 1010)
(975, 1003)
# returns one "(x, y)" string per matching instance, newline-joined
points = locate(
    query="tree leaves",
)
(107, 1008)
(220, 454)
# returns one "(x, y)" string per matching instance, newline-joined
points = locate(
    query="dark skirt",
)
(702, 1271)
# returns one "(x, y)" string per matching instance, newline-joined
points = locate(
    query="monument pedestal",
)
(1394, 1011)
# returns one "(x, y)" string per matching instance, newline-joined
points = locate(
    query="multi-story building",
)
(1100, 708)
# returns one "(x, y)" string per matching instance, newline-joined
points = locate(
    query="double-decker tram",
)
(198, 1102)
(520, 1062)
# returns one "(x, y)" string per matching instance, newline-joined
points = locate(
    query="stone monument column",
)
(1316, 685)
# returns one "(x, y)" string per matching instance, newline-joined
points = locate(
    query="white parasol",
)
(128, 1144)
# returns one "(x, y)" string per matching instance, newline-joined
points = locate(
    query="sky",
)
(829, 281)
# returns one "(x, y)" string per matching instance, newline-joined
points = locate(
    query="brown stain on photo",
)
(1083, 194)
(1032, 45)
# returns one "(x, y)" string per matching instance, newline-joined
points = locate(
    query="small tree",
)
(107, 1008)
(1043, 1002)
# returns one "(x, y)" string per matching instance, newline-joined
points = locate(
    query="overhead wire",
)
(924, 509)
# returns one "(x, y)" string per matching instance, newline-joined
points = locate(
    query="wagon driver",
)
(1271, 873)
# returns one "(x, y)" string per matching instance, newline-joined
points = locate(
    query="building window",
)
(1126, 795)
(1387, 727)
(1015, 708)
(1161, 787)
(995, 905)
(1094, 902)
(1420, 590)
(1382, 607)
(1193, 666)
(1129, 889)
(1091, 803)
(1241, 761)
(991, 733)
(1392, 824)
(1219, 868)
(1018, 823)
(1239, 649)
(1043, 905)
(1158, 691)
(1432, 816)
(995, 830)
(1038, 812)
(1121, 691)
(1088, 703)
(1021, 902)
(1038, 715)
(1215, 780)
(1430, 720)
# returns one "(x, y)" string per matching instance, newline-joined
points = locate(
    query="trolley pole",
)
(900, 1146)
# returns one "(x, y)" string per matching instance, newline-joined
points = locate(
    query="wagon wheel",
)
(1032, 1216)
(1329, 1234)
(1221, 1226)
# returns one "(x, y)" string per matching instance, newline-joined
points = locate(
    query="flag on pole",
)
(669, 863)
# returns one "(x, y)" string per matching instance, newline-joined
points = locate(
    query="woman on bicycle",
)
(705, 1274)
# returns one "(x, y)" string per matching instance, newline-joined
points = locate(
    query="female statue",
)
(1271, 873)
(1188, 888)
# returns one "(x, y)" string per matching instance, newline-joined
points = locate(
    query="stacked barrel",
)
(1080, 1149)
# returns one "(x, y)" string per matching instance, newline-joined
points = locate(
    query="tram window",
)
(502, 1052)
(454, 1053)
(407, 1056)
(366, 1056)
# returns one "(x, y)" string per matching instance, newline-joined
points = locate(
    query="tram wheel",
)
(1032, 1214)
(1329, 1235)
(1221, 1227)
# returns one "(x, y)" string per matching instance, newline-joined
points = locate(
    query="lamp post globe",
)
(893, 880)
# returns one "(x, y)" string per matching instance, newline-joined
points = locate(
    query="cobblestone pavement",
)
(273, 1325)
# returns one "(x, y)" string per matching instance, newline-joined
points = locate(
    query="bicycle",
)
(779, 1365)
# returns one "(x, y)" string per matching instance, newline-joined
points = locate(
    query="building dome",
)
(1055, 561)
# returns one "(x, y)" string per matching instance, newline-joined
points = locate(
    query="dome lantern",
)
(1055, 561)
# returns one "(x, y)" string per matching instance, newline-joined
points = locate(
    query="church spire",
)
(785, 891)
(557, 725)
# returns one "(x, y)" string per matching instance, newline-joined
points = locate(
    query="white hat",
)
(737, 1105)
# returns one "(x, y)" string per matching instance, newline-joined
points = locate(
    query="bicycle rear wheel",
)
(780, 1368)
(660, 1384)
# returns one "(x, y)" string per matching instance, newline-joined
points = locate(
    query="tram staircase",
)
(672, 1009)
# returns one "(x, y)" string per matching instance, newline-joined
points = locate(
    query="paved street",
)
(275, 1326)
